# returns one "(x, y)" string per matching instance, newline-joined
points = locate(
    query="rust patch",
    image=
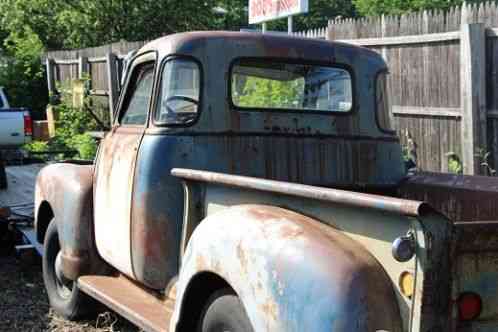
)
(242, 258)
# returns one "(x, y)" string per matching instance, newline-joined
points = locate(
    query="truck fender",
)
(291, 272)
(64, 193)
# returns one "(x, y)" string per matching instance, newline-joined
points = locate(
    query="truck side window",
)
(383, 107)
(138, 103)
(179, 92)
(264, 84)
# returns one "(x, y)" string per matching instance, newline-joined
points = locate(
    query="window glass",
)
(138, 103)
(263, 84)
(180, 92)
(1, 102)
(382, 102)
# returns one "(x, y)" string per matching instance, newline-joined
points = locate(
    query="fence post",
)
(112, 79)
(82, 67)
(50, 66)
(473, 95)
(383, 34)
(50, 76)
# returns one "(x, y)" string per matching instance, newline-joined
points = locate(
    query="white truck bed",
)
(12, 124)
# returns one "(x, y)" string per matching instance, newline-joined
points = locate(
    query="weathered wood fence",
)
(102, 65)
(444, 78)
(443, 82)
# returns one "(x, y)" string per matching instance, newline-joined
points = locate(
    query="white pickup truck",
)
(16, 125)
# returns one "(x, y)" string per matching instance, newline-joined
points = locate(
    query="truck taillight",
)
(469, 306)
(28, 124)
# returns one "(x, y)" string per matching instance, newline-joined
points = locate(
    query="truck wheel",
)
(64, 296)
(3, 175)
(224, 312)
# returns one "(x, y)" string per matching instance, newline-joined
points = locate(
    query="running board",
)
(130, 301)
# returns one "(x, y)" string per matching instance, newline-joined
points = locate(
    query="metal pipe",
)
(389, 204)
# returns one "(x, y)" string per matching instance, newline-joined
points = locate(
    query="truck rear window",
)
(263, 84)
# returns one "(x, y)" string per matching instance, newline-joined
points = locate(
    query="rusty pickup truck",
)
(252, 182)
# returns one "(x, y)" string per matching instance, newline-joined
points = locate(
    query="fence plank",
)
(450, 112)
(83, 67)
(50, 76)
(473, 95)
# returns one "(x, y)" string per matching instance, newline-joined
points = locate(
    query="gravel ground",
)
(24, 305)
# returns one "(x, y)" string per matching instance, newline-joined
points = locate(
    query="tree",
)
(30, 27)
(320, 11)
(398, 7)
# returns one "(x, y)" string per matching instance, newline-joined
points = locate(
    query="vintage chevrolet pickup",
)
(251, 182)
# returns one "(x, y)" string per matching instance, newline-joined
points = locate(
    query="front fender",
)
(291, 272)
(68, 190)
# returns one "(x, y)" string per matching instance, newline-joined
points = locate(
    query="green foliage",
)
(73, 123)
(398, 7)
(21, 71)
(84, 23)
(71, 131)
(454, 163)
(266, 93)
(85, 145)
(36, 146)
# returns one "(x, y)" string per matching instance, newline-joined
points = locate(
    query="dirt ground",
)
(24, 305)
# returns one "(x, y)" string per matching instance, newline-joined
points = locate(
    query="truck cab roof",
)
(217, 53)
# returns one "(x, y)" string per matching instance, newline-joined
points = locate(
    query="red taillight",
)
(28, 124)
(469, 306)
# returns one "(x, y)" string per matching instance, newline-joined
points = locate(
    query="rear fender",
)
(291, 272)
(68, 190)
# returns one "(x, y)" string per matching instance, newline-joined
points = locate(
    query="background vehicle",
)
(16, 126)
(300, 219)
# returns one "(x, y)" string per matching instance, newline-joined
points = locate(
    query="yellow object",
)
(407, 284)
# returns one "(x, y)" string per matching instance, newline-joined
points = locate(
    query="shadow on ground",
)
(24, 305)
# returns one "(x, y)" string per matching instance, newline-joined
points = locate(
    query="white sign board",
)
(266, 10)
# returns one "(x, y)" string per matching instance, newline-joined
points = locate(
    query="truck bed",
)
(460, 198)
(452, 257)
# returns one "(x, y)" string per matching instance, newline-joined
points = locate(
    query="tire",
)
(64, 296)
(224, 312)
(3, 175)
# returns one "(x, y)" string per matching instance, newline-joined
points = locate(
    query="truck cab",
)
(252, 172)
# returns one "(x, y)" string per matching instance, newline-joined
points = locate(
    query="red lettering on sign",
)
(272, 7)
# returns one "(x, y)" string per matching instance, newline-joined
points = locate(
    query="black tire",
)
(3, 175)
(64, 297)
(224, 312)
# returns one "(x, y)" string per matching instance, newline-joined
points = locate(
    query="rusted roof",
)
(271, 45)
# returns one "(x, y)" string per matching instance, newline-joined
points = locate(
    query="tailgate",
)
(11, 128)
(476, 271)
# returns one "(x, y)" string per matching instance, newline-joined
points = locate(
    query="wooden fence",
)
(103, 65)
(444, 78)
(443, 82)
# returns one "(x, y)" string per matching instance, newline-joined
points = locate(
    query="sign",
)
(266, 10)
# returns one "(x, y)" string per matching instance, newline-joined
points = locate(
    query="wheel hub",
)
(64, 285)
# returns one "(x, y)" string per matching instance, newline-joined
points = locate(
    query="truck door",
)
(116, 166)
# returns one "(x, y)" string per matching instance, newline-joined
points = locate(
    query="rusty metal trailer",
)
(17, 205)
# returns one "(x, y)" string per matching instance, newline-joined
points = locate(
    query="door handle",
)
(14, 134)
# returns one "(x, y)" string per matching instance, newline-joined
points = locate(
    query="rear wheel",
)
(63, 294)
(3, 174)
(224, 312)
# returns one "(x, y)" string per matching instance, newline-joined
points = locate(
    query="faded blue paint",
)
(291, 273)
(157, 199)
